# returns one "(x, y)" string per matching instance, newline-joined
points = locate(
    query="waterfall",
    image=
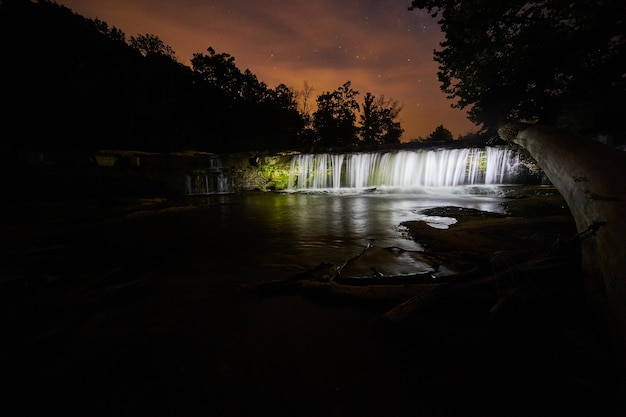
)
(210, 180)
(428, 168)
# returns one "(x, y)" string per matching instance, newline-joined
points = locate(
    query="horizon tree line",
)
(74, 83)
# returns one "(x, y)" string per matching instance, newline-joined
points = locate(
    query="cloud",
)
(380, 47)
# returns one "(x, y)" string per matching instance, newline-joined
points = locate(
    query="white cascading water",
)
(210, 180)
(431, 168)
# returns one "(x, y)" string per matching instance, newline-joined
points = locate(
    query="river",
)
(137, 311)
(273, 235)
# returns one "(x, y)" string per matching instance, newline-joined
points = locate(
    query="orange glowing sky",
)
(379, 46)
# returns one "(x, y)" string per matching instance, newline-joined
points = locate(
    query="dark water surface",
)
(137, 312)
(280, 234)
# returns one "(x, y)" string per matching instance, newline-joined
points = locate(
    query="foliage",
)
(304, 96)
(67, 80)
(73, 83)
(378, 121)
(546, 60)
(82, 86)
(334, 121)
(271, 115)
(220, 71)
(151, 44)
(440, 134)
(112, 33)
(335, 117)
(275, 170)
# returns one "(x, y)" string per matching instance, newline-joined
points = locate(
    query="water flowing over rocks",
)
(424, 168)
(115, 174)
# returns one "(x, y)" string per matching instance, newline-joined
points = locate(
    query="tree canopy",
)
(151, 44)
(440, 134)
(560, 63)
(379, 123)
(72, 83)
(335, 117)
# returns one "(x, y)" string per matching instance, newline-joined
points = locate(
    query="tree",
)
(307, 135)
(587, 174)
(440, 134)
(100, 92)
(151, 45)
(92, 84)
(112, 32)
(378, 121)
(280, 119)
(250, 88)
(548, 61)
(284, 98)
(305, 96)
(555, 62)
(221, 72)
(335, 117)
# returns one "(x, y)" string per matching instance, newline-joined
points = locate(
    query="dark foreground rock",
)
(105, 315)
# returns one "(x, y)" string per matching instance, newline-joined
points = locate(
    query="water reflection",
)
(274, 235)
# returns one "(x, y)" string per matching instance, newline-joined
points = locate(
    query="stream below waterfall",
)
(274, 235)
(137, 309)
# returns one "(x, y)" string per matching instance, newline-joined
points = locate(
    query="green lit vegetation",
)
(275, 170)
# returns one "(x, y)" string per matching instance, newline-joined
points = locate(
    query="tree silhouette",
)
(378, 121)
(560, 63)
(554, 63)
(99, 91)
(335, 117)
(221, 72)
(305, 97)
(151, 44)
(440, 134)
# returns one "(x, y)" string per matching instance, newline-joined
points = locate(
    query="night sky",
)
(379, 46)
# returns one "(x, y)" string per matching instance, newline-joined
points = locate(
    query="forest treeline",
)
(553, 63)
(70, 82)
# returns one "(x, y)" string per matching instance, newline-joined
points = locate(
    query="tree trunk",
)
(592, 179)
